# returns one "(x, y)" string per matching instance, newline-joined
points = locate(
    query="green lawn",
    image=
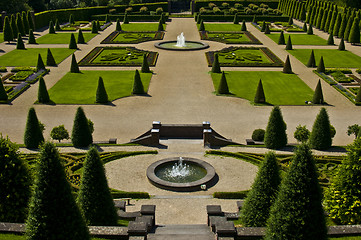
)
(80, 88)
(1, 37)
(141, 27)
(29, 57)
(132, 37)
(299, 39)
(222, 27)
(279, 88)
(62, 38)
(333, 58)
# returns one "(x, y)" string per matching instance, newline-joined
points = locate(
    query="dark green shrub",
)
(353, 129)
(33, 135)
(216, 68)
(19, 24)
(223, 86)
(25, 22)
(145, 65)
(258, 135)
(321, 66)
(301, 134)
(254, 20)
(260, 198)
(30, 20)
(15, 183)
(52, 202)
(51, 27)
(267, 30)
(287, 68)
(98, 25)
(310, 30)
(236, 20)
(138, 85)
(281, 39)
(74, 68)
(318, 95)
(13, 26)
(3, 95)
(231, 195)
(40, 65)
(81, 135)
(304, 28)
(101, 95)
(20, 43)
(337, 24)
(94, 198)
(244, 26)
(57, 26)
(342, 29)
(275, 136)
(319, 19)
(355, 32)
(297, 212)
(125, 19)
(107, 19)
(289, 43)
(7, 31)
(31, 39)
(290, 21)
(348, 28)
(201, 26)
(50, 61)
(330, 40)
(71, 19)
(260, 96)
(43, 95)
(81, 37)
(263, 28)
(59, 133)
(311, 61)
(358, 96)
(118, 27)
(72, 43)
(341, 46)
(94, 27)
(199, 19)
(160, 26)
(321, 138)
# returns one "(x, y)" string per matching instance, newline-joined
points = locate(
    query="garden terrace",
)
(132, 37)
(299, 39)
(80, 88)
(230, 38)
(279, 88)
(141, 27)
(62, 38)
(245, 56)
(118, 56)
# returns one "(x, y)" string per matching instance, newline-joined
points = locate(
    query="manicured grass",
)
(244, 56)
(141, 27)
(62, 38)
(228, 37)
(131, 37)
(279, 88)
(5, 236)
(222, 27)
(333, 58)
(80, 88)
(346, 238)
(29, 57)
(299, 39)
(1, 37)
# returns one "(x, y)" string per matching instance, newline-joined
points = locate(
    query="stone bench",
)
(225, 229)
(109, 232)
(148, 220)
(119, 205)
(137, 228)
(128, 215)
(214, 220)
(213, 210)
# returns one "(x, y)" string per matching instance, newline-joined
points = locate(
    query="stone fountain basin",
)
(181, 187)
(170, 45)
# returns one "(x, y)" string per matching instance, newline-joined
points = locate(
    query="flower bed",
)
(230, 37)
(132, 37)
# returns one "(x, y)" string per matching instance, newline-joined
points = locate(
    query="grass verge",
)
(299, 39)
(62, 38)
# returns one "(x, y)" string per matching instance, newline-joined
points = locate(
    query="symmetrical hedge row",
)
(131, 18)
(200, 4)
(247, 18)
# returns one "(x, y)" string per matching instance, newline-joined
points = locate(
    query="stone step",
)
(182, 232)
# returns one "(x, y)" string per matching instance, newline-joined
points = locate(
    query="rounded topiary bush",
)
(258, 135)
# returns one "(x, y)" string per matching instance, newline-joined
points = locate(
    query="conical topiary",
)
(201, 26)
(33, 135)
(216, 68)
(223, 85)
(321, 66)
(31, 39)
(118, 27)
(72, 43)
(20, 43)
(125, 19)
(348, 28)
(310, 30)
(71, 19)
(254, 19)
(94, 27)
(235, 19)
(25, 22)
(107, 18)
(289, 43)
(101, 94)
(74, 68)
(244, 26)
(260, 96)
(290, 21)
(3, 95)
(160, 26)
(98, 25)
(50, 61)
(275, 135)
(337, 24)
(304, 28)
(94, 198)
(281, 39)
(81, 135)
(57, 26)
(7, 31)
(318, 95)
(263, 26)
(138, 85)
(19, 24)
(43, 95)
(13, 26)
(40, 65)
(30, 20)
(267, 30)
(51, 27)
(263, 193)
(341, 46)
(145, 65)
(52, 201)
(81, 37)
(330, 40)
(320, 137)
(287, 68)
(354, 36)
(311, 61)
(358, 97)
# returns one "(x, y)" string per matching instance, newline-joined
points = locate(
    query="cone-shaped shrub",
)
(275, 136)
(94, 198)
(267, 30)
(336, 26)
(201, 26)
(310, 30)
(304, 28)
(263, 26)
(318, 95)
(223, 85)
(290, 21)
(348, 28)
(341, 46)
(20, 43)
(81, 135)
(31, 39)
(33, 135)
(260, 96)
(40, 65)
(160, 26)
(355, 32)
(330, 40)
(311, 61)
(13, 26)
(263, 193)
(30, 20)
(25, 22)
(281, 39)
(50, 61)
(3, 95)
(358, 97)
(287, 68)
(320, 138)
(8, 32)
(51, 27)
(341, 31)
(57, 26)
(71, 19)
(244, 26)
(101, 95)
(235, 19)
(107, 19)
(81, 37)
(125, 19)
(15, 183)
(72, 43)
(297, 212)
(118, 27)
(289, 43)
(19, 24)
(145, 65)
(74, 68)
(52, 202)
(94, 27)
(254, 19)
(321, 66)
(138, 85)
(43, 95)
(98, 25)
(216, 68)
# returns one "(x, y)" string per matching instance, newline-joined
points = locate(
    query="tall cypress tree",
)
(52, 202)
(19, 24)
(318, 95)
(287, 68)
(216, 68)
(311, 61)
(223, 85)
(81, 135)
(7, 31)
(289, 43)
(263, 193)
(260, 96)
(101, 94)
(275, 135)
(20, 43)
(30, 20)
(3, 94)
(138, 85)
(319, 19)
(43, 95)
(94, 198)
(31, 39)
(40, 65)
(14, 27)
(25, 22)
(337, 25)
(348, 28)
(281, 39)
(323, 20)
(328, 21)
(304, 28)
(145, 65)
(80, 37)
(50, 61)
(320, 137)
(33, 135)
(321, 66)
(74, 68)
(297, 212)
(341, 31)
(355, 32)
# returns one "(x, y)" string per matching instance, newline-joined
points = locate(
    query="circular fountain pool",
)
(181, 174)
(189, 45)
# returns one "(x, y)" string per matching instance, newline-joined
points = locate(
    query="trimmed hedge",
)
(247, 18)
(231, 195)
(132, 18)
(202, 3)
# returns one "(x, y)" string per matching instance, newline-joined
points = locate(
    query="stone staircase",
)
(182, 232)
